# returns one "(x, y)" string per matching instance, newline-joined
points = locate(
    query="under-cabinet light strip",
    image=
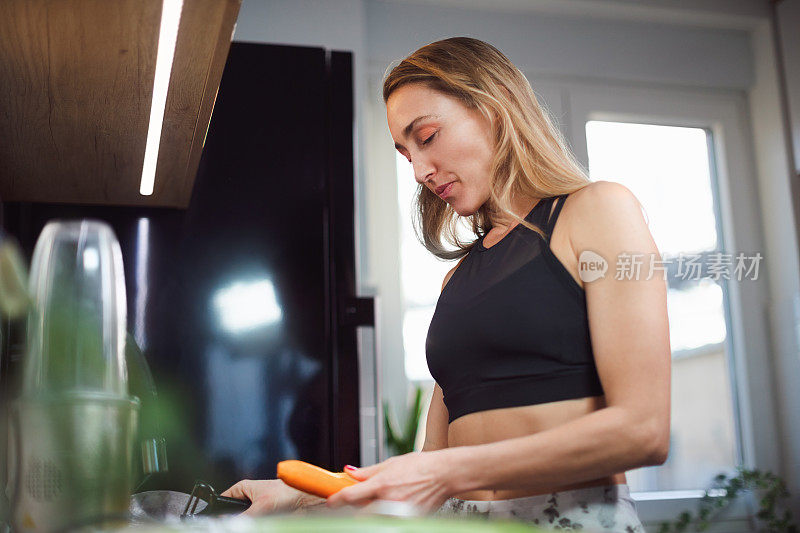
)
(167, 37)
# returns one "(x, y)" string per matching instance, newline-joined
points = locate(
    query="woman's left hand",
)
(419, 478)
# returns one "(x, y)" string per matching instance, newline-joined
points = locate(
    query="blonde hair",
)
(531, 156)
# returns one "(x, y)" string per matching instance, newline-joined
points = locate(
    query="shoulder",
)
(604, 213)
(603, 196)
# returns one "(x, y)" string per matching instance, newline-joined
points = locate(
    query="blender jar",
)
(74, 422)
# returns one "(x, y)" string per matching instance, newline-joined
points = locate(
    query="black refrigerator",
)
(244, 304)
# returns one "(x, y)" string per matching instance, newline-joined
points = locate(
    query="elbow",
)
(649, 437)
(658, 455)
(656, 446)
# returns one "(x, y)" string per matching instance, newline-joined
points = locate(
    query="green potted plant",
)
(770, 488)
(401, 440)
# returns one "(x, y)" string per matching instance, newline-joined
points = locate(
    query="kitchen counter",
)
(334, 524)
(377, 517)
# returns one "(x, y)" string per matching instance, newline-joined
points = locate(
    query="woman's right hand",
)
(271, 496)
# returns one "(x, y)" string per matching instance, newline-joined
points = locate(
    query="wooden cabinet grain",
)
(76, 82)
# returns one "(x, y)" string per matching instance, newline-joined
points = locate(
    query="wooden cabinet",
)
(76, 83)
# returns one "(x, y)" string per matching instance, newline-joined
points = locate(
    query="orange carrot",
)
(313, 479)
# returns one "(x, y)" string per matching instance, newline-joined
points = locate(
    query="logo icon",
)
(591, 266)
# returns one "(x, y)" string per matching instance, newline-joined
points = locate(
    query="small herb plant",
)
(400, 441)
(774, 490)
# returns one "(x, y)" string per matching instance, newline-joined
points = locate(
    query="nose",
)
(422, 171)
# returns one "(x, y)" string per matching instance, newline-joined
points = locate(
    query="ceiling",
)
(732, 14)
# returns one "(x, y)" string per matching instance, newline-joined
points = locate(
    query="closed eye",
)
(429, 139)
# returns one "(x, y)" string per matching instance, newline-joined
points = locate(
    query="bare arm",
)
(630, 340)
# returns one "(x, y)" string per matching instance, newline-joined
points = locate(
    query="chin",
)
(463, 210)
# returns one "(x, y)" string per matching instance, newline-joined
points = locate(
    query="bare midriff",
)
(485, 427)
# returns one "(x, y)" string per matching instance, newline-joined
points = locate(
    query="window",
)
(670, 170)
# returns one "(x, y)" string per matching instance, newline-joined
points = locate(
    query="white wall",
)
(569, 46)
(773, 169)
(788, 21)
(337, 24)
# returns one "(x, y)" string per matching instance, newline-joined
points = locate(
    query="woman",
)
(548, 387)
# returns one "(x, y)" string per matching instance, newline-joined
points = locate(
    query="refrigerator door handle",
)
(361, 312)
(358, 311)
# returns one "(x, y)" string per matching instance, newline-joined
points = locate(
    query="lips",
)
(440, 189)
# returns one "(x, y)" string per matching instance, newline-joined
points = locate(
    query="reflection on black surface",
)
(247, 307)
(264, 388)
(141, 265)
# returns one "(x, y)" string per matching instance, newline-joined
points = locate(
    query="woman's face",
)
(446, 143)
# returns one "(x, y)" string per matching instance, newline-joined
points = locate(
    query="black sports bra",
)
(510, 327)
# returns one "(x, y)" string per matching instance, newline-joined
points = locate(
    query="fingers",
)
(355, 473)
(359, 494)
(259, 508)
(363, 473)
(234, 491)
(352, 473)
(240, 490)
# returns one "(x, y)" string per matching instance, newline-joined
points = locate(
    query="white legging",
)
(607, 508)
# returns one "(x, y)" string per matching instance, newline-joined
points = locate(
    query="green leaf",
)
(401, 443)
(391, 436)
(14, 298)
(745, 480)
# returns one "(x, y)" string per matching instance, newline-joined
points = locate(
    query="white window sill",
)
(655, 508)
